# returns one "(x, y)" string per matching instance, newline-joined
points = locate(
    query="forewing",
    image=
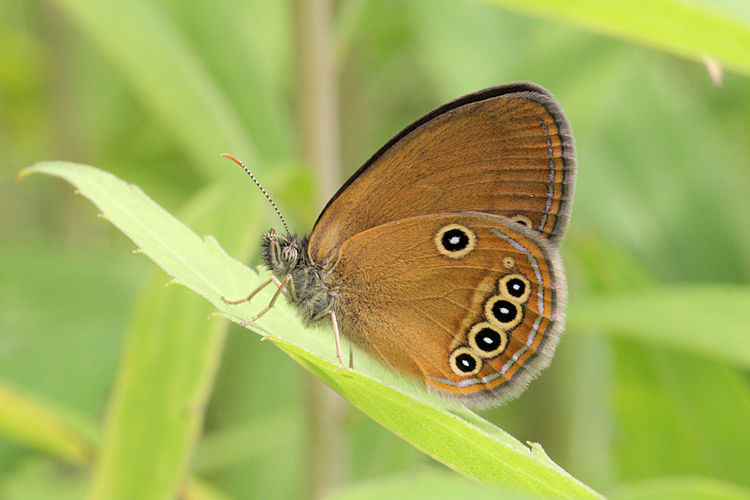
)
(505, 150)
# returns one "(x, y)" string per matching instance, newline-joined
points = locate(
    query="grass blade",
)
(31, 424)
(705, 319)
(689, 29)
(463, 441)
(146, 45)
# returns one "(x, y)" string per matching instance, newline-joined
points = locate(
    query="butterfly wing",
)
(470, 303)
(505, 150)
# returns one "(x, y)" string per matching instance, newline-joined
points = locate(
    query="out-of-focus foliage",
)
(152, 91)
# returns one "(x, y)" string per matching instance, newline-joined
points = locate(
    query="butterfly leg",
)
(252, 294)
(262, 286)
(291, 286)
(278, 283)
(288, 280)
(336, 335)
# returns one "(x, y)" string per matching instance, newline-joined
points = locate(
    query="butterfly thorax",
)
(287, 255)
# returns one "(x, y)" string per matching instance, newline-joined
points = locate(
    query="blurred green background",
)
(153, 91)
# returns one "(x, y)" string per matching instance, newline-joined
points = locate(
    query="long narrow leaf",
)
(146, 45)
(691, 29)
(706, 319)
(166, 373)
(29, 423)
(462, 441)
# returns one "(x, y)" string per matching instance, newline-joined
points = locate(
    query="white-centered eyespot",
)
(487, 340)
(515, 287)
(455, 241)
(464, 362)
(503, 312)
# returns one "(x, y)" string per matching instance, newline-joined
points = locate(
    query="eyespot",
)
(522, 219)
(515, 286)
(509, 262)
(502, 312)
(464, 362)
(487, 340)
(455, 241)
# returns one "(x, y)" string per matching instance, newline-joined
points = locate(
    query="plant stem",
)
(317, 94)
(317, 113)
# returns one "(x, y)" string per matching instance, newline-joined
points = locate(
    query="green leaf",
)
(461, 440)
(195, 489)
(156, 411)
(31, 424)
(44, 288)
(458, 438)
(710, 320)
(147, 46)
(39, 478)
(691, 29)
(167, 370)
(673, 420)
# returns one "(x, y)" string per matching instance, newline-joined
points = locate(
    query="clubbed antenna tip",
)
(248, 172)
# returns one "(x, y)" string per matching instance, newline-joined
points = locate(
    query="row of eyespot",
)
(488, 339)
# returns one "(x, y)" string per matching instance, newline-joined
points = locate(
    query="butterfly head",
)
(283, 253)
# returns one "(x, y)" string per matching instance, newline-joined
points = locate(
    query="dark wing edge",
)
(530, 90)
(542, 357)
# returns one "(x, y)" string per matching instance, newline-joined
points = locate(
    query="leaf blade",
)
(692, 30)
(678, 316)
(203, 266)
(31, 424)
(160, 58)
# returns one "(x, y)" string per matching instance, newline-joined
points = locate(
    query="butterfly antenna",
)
(248, 172)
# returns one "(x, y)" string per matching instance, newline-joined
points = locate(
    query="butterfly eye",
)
(487, 340)
(522, 219)
(464, 362)
(502, 312)
(455, 241)
(515, 286)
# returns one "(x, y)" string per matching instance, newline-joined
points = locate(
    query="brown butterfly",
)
(439, 257)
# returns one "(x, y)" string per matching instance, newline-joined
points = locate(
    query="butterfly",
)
(440, 256)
